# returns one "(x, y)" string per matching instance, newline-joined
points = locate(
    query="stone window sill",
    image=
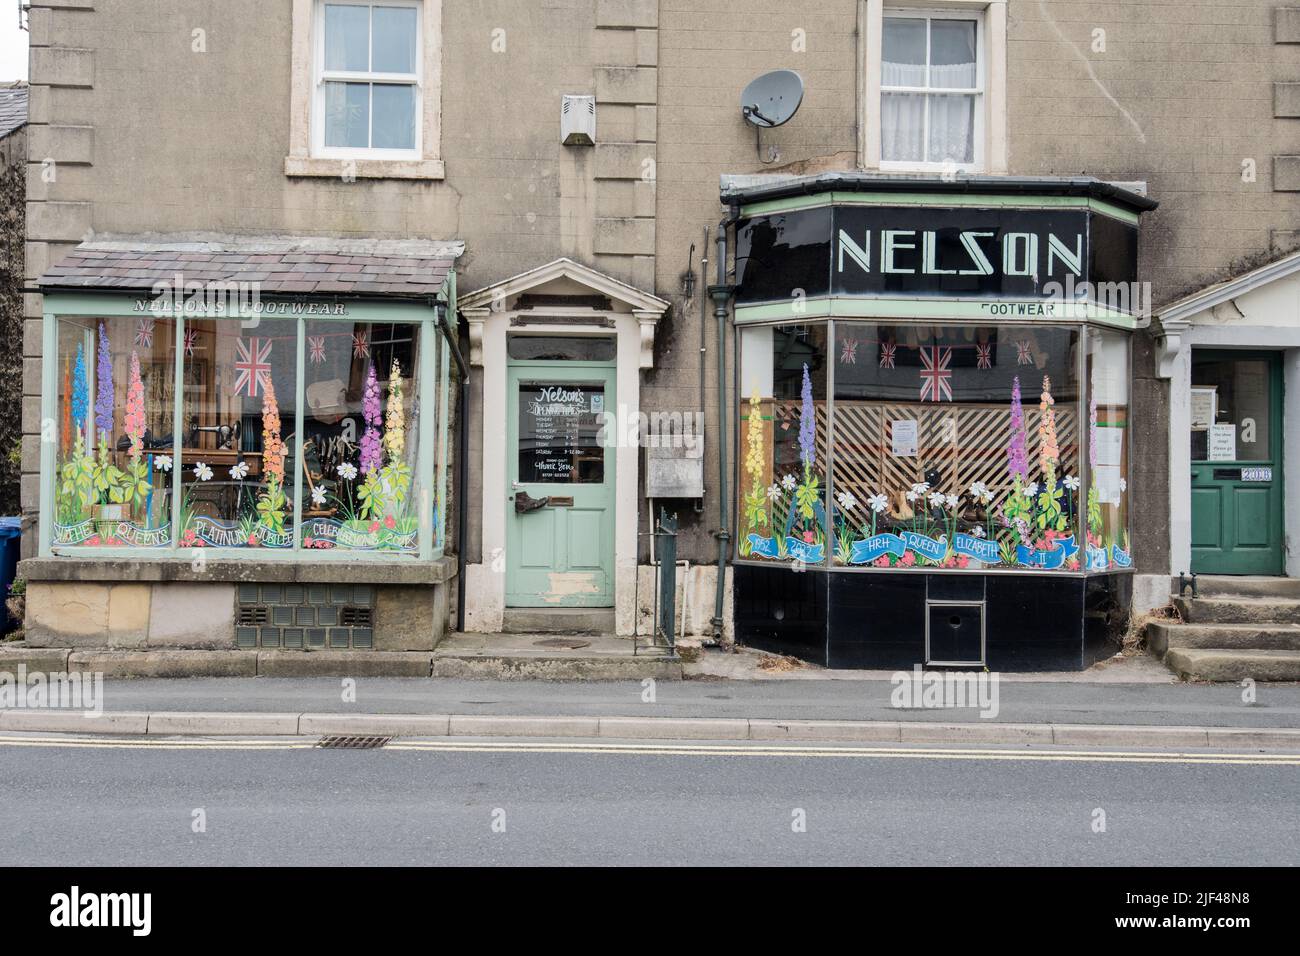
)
(127, 569)
(425, 169)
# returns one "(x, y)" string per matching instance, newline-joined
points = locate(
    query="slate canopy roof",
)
(288, 265)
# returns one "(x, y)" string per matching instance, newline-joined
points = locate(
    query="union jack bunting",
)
(983, 356)
(1023, 354)
(887, 350)
(360, 347)
(144, 333)
(849, 352)
(317, 343)
(252, 365)
(936, 376)
(191, 339)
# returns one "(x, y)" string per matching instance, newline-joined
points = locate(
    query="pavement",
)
(244, 801)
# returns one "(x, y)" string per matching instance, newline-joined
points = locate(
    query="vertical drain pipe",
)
(721, 293)
(462, 464)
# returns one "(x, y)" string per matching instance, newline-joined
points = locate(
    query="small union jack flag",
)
(191, 339)
(317, 343)
(849, 352)
(360, 347)
(253, 365)
(936, 376)
(1023, 354)
(144, 333)
(983, 356)
(887, 350)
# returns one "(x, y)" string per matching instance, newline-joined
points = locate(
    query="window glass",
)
(561, 348)
(394, 40)
(937, 54)
(783, 415)
(361, 438)
(238, 415)
(1106, 517)
(347, 114)
(116, 381)
(347, 36)
(560, 432)
(955, 447)
(1236, 393)
(394, 116)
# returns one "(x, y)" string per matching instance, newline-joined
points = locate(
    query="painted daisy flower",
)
(911, 496)
(202, 472)
(1071, 482)
(921, 487)
(163, 462)
(977, 531)
(240, 471)
(1031, 489)
(952, 501)
(773, 493)
(980, 492)
(846, 500)
(318, 495)
(937, 498)
(347, 471)
(878, 503)
(788, 482)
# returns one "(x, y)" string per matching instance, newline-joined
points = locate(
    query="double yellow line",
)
(671, 749)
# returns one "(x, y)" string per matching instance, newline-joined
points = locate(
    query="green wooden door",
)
(560, 554)
(1237, 524)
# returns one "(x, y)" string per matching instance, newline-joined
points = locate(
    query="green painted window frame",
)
(433, 427)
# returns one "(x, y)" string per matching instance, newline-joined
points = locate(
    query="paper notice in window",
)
(1110, 446)
(903, 433)
(1107, 478)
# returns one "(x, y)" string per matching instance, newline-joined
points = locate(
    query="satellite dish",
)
(772, 99)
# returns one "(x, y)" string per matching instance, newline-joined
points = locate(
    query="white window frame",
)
(321, 76)
(308, 155)
(990, 141)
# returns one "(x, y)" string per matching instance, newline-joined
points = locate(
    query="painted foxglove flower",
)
(1123, 485)
(1031, 489)
(163, 462)
(347, 471)
(202, 472)
(240, 471)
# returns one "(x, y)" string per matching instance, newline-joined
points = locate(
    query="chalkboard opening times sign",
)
(559, 425)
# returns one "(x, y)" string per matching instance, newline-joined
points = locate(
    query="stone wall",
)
(13, 196)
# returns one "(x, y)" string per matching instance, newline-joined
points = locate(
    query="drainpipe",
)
(462, 464)
(721, 294)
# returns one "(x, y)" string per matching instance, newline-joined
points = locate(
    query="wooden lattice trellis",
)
(965, 442)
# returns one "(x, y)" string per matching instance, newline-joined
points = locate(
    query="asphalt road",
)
(430, 803)
(1215, 705)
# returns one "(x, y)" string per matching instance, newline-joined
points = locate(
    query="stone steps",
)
(558, 620)
(1164, 635)
(1235, 628)
(1222, 664)
(1238, 610)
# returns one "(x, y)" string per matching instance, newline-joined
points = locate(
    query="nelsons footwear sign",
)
(998, 253)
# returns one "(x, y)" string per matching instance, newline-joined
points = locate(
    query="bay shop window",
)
(902, 446)
(315, 429)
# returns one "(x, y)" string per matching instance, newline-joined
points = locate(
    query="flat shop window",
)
(234, 462)
(368, 76)
(953, 446)
(560, 433)
(931, 88)
(561, 348)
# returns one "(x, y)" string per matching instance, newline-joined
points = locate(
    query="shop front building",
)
(245, 445)
(933, 411)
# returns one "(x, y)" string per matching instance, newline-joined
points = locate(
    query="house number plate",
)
(1257, 474)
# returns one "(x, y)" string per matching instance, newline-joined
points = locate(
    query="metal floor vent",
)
(352, 742)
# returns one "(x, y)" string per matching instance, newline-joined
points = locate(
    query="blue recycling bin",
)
(11, 534)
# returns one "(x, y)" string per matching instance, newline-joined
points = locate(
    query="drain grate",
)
(353, 742)
(567, 643)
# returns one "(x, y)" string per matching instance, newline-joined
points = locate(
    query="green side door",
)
(560, 489)
(1237, 522)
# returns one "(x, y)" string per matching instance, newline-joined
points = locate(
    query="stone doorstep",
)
(648, 728)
